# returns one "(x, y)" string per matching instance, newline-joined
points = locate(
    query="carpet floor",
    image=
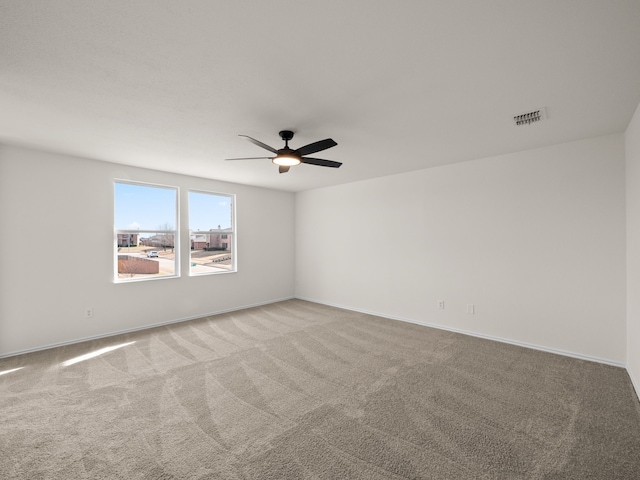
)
(297, 390)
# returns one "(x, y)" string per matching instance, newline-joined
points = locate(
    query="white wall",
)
(536, 240)
(632, 149)
(46, 280)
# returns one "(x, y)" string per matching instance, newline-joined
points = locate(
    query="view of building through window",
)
(146, 240)
(211, 234)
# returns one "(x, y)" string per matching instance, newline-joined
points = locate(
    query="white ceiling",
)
(400, 85)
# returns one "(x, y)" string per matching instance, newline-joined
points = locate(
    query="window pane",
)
(211, 233)
(146, 235)
(146, 255)
(144, 207)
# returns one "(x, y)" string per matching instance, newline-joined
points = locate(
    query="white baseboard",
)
(344, 307)
(634, 383)
(137, 329)
(479, 335)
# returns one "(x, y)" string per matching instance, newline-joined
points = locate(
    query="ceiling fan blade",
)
(321, 162)
(283, 168)
(250, 158)
(259, 143)
(316, 147)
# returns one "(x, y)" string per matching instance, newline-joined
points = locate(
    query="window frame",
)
(231, 231)
(175, 232)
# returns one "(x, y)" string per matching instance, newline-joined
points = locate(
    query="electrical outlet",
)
(440, 304)
(88, 313)
(471, 308)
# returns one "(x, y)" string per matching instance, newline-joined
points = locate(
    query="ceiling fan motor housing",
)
(287, 156)
(288, 151)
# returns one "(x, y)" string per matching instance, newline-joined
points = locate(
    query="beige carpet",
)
(299, 390)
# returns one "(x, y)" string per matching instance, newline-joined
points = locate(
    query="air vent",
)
(530, 117)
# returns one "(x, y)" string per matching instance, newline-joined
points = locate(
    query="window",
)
(146, 237)
(211, 224)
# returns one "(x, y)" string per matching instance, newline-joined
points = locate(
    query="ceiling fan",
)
(287, 157)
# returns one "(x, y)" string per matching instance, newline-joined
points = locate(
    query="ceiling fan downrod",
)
(286, 135)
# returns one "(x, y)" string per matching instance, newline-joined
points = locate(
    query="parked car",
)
(152, 253)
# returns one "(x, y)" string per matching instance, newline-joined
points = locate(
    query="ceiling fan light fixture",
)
(286, 160)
